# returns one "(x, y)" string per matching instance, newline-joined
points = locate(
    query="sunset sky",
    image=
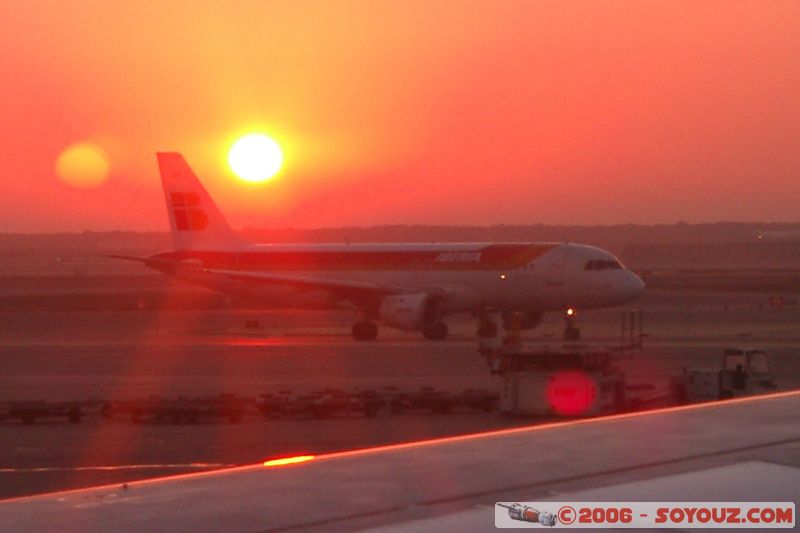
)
(449, 112)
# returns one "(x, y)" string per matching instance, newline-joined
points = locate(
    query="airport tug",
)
(744, 372)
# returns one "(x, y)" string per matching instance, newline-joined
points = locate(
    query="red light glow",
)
(571, 393)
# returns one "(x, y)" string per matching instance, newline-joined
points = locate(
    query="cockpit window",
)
(602, 264)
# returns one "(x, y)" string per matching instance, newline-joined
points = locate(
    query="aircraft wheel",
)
(365, 331)
(572, 334)
(436, 332)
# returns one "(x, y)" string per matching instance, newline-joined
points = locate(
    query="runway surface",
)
(79, 355)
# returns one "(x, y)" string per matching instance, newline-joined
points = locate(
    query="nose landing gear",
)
(571, 331)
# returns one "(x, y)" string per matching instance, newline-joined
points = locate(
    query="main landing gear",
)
(435, 332)
(365, 330)
(571, 331)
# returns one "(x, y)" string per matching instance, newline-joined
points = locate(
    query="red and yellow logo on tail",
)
(188, 215)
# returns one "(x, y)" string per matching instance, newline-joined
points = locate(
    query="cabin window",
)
(601, 264)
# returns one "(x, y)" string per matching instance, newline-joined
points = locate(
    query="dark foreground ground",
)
(78, 355)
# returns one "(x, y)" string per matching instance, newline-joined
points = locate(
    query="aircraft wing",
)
(732, 451)
(355, 291)
(155, 262)
(343, 289)
(142, 259)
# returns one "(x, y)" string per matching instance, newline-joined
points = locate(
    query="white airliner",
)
(406, 286)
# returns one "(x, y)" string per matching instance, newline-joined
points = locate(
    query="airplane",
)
(410, 287)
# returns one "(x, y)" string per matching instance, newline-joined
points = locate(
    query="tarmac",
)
(452, 484)
(79, 355)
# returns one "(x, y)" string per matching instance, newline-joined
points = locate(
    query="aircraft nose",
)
(634, 286)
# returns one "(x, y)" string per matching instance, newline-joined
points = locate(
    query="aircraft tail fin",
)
(195, 219)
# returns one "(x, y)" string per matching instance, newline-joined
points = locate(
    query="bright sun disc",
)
(255, 157)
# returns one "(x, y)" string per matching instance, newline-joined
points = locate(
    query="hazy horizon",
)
(601, 235)
(763, 225)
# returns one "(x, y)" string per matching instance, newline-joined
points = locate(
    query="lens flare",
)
(571, 393)
(255, 157)
(82, 164)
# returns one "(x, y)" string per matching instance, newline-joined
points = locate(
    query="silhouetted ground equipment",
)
(29, 412)
(180, 410)
(334, 402)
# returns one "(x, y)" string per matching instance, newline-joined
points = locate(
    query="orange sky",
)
(407, 112)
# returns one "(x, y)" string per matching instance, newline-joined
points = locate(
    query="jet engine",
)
(410, 312)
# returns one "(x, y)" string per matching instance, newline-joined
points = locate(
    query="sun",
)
(255, 157)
